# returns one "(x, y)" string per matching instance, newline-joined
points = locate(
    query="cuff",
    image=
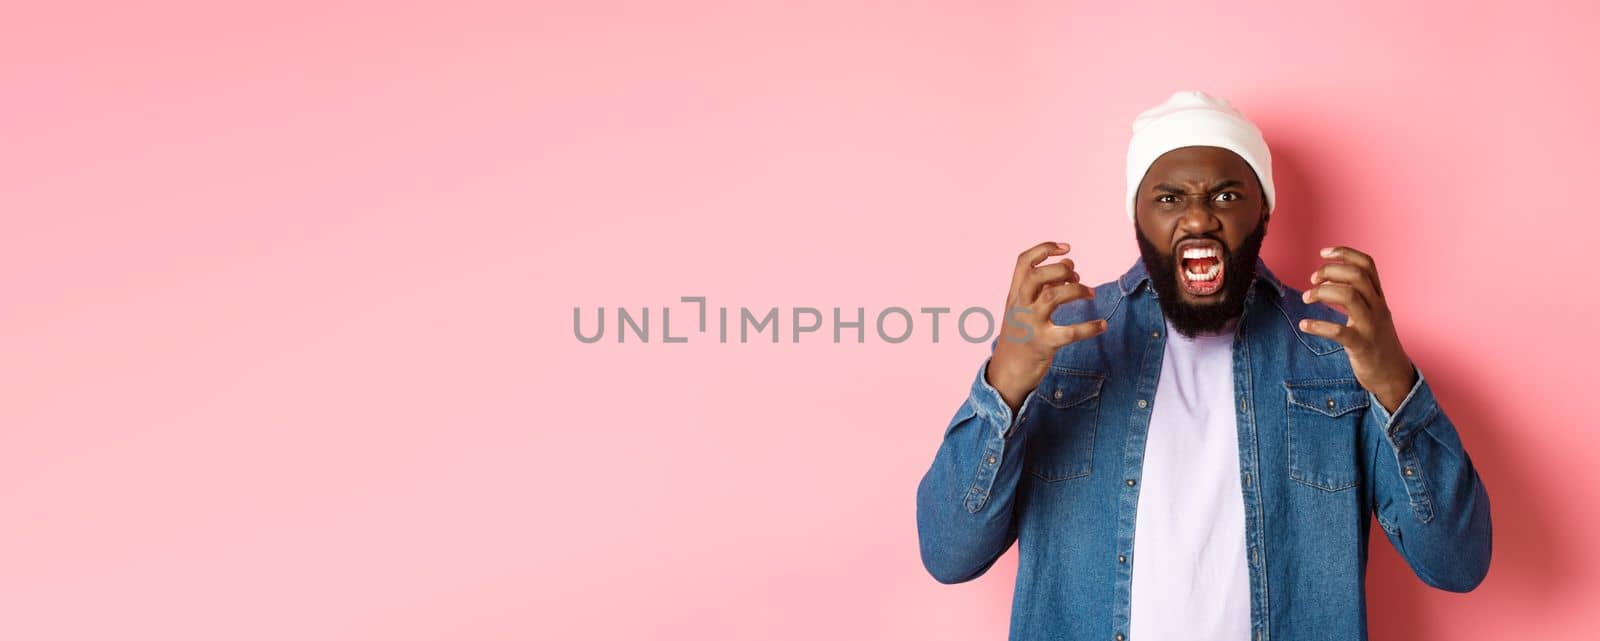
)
(1410, 416)
(992, 407)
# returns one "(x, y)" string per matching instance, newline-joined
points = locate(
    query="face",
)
(1200, 217)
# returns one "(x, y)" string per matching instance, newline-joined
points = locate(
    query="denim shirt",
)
(1318, 454)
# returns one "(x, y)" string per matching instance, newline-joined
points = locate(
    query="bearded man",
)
(1196, 449)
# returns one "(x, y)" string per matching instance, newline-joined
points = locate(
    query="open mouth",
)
(1200, 267)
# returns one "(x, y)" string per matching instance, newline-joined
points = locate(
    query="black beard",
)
(1189, 319)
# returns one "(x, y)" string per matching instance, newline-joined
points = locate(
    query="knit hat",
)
(1195, 118)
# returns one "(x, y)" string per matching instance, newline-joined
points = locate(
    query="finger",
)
(1059, 335)
(1035, 255)
(1040, 277)
(1348, 274)
(1025, 262)
(1344, 295)
(1341, 334)
(1057, 295)
(1357, 258)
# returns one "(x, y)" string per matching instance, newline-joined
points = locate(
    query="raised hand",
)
(1368, 334)
(1028, 339)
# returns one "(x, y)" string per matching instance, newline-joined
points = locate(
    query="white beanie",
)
(1195, 118)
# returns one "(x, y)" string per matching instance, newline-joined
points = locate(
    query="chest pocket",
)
(1060, 441)
(1324, 426)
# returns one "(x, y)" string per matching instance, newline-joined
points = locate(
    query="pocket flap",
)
(1066, 387)
(1332, 397)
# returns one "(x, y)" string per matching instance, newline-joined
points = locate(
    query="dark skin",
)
(1195, 192)
(1199, 192)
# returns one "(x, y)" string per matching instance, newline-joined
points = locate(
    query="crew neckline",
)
(1226, 333)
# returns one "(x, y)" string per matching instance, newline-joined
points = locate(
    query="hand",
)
(1368, 334)
(1028, 340)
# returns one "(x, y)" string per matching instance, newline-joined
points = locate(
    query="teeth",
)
(1208, 274)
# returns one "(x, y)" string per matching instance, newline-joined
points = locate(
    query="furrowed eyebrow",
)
(1173, 189)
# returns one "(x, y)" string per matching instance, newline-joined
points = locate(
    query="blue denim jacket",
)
(1317, 455)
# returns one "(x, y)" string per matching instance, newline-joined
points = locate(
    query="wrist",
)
(1011, 382)
(1394, 392)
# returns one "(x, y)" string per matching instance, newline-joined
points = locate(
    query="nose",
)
(1198, 217)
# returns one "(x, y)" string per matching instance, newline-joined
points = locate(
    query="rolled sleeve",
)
(1409, 417)
(1427, 496)
(992, 407)
(966, 500)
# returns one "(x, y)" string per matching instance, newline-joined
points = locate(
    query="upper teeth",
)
(1200, 252)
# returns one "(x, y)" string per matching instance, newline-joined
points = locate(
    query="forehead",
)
(1199, 165)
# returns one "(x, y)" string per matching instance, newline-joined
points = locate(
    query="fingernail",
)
(1313, 277)
(1327, 251)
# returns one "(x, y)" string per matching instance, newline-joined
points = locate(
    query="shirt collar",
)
(1137, 275)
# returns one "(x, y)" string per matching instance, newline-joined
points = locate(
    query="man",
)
(1197, 446)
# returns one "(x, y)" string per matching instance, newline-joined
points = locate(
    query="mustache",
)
(1225, 248)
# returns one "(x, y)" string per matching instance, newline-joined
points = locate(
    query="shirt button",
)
(1143, 403)
(1247, 479)
(1056, 395)
(990, 459)
(1131, 482)
(1119, 636)
(1122, 559)
(1330, 403)
(1406, 471)
(1155, 334)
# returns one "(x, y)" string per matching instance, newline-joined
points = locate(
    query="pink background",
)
(288, 295)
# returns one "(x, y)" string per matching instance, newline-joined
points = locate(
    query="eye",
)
(1166, 198)
(1228, 196)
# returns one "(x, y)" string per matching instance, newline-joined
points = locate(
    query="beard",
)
(1192, 319)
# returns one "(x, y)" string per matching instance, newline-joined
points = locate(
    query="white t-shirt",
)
(1190, 578)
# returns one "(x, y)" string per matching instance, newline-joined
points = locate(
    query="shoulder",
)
(1292, 309)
